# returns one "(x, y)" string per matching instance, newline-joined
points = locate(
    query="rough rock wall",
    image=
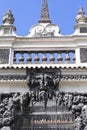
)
(77, 104)
(16, 105)
(12, 105)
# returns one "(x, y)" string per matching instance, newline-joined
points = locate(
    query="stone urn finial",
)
(8, 19)
(81, 17)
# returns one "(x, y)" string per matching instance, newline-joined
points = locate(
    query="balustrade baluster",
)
(60, 58)
(52, 59)
(44, 58)
(36, 60)
(21, 58)
(29, 59)
(67, 59)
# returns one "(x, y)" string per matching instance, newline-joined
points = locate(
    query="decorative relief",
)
(71, 107)
(13, 77)
(83, 55)
(14, 110)
(6, 31)
(39, 29)
(73, 77)
(43, 82)
(10, 106)
(4, 56)
(68, 110)
(44, 30)
(38, 78)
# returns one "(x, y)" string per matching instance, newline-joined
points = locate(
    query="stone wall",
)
(14, 109)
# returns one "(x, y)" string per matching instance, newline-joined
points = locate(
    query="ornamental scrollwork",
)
(44, 30)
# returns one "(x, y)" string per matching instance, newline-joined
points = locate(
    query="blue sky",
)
(27, 13)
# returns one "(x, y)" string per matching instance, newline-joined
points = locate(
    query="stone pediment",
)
(44, 30)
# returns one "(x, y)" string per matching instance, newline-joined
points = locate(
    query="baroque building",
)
(43, 76)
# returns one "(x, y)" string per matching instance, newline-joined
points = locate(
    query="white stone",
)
(44, 30)
(6, 128)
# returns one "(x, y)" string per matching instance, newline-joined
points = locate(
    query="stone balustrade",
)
(45, 57)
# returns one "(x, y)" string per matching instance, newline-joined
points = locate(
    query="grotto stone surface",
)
(10, 106)
(15, 109)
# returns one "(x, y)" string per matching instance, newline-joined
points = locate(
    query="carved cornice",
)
(13, 77)
(74, 77)
(24, 77)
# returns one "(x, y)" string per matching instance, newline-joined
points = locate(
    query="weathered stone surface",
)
(6, 128)
(8, 18)
(15, 109)
(81, 17)
(10, 106)
(83, 30)
(4, 56)
(83, 55)
(45, 13)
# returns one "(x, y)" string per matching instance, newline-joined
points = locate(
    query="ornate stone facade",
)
(43, 76)
(14, 107)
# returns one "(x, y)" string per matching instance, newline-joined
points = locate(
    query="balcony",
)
(31, 58)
